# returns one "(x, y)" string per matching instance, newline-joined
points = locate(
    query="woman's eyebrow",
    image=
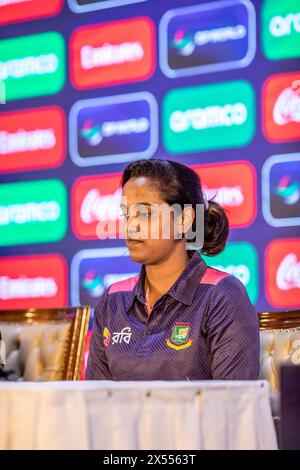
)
(143, 204)
(138, 204)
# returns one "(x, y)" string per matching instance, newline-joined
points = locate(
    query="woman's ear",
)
(184, 221)
(188, 217)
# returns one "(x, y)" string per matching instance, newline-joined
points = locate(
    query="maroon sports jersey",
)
(204, 327)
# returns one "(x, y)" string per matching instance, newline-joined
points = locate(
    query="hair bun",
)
(216, 229)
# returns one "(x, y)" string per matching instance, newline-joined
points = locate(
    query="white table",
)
(136, 415)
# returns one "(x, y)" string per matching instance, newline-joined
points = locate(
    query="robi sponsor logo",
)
(282, 266)
(96, 207)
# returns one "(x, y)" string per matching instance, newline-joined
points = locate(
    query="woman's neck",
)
(160, 277)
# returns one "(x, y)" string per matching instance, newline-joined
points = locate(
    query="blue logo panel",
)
(113, 129)
(92, 271)
(207, 38)
(281, 190)
(81, 6)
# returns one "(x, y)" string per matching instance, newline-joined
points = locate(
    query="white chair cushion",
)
(36, 352)
(278, 347)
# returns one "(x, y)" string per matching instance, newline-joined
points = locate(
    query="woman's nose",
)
(133, 224)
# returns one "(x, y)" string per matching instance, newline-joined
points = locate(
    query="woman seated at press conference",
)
(178, 319)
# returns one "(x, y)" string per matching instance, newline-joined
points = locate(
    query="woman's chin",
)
(136, 252)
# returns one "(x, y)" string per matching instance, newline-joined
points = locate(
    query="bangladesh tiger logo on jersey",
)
(180, 336)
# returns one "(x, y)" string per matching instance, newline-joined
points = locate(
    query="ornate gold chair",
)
(280, 343)
(45, 344)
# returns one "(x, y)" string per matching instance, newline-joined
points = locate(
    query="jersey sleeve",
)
(233, 332)
(97, 365)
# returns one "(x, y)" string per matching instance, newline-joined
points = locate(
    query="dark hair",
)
(179, 184)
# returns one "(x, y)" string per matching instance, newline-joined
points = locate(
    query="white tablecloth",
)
(136, 415)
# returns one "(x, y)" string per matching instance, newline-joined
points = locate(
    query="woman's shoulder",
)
(224, 284)
(126, 285)
(229, 296)
(111, 299)
(117, 288)
(228, 302)
(220, 279)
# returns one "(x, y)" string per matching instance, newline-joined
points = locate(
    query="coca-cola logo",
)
(288, 273)
(287, 107)
(96, 207)
(281, 107)
(282, 272)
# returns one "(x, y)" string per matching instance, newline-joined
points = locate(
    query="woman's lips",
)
(132, 241)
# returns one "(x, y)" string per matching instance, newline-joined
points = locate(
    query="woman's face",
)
(148, 222)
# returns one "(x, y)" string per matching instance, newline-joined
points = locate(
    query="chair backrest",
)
(280, 343)
(45, 344)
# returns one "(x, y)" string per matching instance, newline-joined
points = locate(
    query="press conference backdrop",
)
(88, 86)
